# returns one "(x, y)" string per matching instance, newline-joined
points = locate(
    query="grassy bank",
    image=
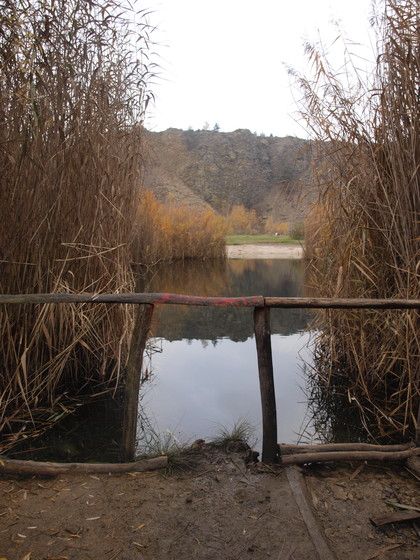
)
(261, 238)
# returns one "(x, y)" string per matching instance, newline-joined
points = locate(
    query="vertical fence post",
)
(265, 370)
(141, 330)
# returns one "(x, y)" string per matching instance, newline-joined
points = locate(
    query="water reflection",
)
(204, 365)
(206, 372)
(274, 277)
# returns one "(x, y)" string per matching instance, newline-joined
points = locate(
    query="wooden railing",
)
(261, 305)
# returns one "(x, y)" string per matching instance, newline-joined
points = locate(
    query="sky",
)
(225, 61)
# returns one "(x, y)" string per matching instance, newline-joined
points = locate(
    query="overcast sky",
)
(225, 61)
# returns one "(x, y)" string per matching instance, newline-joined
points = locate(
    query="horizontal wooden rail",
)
(261, 305)
(245, 301)
(342, 303)
(136, 298)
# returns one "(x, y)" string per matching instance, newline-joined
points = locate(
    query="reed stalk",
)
(362, 238)
(73, 90)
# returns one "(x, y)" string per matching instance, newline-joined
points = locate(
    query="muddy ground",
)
(216, 508)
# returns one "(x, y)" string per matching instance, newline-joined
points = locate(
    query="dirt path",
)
(264, 251)
(218, 509)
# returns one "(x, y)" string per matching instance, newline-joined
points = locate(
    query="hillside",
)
(220, 169)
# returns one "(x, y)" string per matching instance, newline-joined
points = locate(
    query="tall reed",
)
(362, 240)
(73, 89)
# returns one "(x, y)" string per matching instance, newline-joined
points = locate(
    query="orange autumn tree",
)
(241, 220)
(167, 232)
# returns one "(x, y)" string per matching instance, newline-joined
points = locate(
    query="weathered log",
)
(245, 301)
(41, 468)
(289, 449)
(398, 517)
(300, 493)
(342, 303)
(333, 456)
(265, 372)
(135, 298)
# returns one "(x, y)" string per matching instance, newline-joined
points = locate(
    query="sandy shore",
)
(264, 251)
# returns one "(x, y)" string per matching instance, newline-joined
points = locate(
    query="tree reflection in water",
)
(206, 374)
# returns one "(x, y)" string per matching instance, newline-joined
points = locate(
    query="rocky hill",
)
(219, 169)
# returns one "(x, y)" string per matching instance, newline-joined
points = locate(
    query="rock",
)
(195, 168)
(251, 456)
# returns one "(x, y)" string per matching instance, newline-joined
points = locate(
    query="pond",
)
(202, 370)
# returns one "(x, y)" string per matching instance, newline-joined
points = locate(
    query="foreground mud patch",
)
(345, 499)
(216, 509)
(219, 509)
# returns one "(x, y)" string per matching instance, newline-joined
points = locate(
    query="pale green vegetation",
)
(260, 238)
(241, 433)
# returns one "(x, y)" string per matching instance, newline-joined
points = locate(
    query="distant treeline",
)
(242, 220)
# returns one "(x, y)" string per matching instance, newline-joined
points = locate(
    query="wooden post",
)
(418, 428)
(268, 396)
(141, 330)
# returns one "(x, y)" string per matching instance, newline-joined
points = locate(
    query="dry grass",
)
(362, 239)
(72, 96)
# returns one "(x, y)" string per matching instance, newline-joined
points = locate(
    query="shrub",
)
(167, 232)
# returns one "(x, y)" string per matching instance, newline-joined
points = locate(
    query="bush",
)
(175, 232)
(364, 234)
(297, 230)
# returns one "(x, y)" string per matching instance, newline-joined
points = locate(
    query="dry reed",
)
(72, 95)
(362, 239)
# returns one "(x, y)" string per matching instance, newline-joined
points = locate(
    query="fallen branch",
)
(402, 506)
(332, 456)
(40, 468)
(398, 517)
(414, 465)
(300, 493)
(287, 448)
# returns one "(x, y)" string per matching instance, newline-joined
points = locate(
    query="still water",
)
(202, 372)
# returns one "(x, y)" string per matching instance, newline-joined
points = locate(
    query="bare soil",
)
(264, 251)
(345, 498)
(216, 509)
